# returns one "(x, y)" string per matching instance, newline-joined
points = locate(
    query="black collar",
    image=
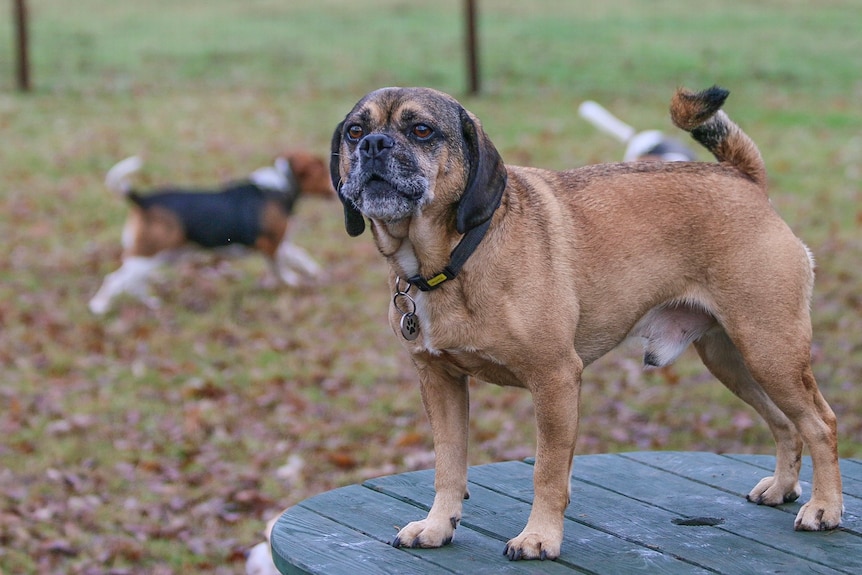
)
(457, 259)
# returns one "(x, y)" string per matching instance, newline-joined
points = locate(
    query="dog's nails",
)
(415, 543)
(396, 542)
(543, 555)
(512, 553)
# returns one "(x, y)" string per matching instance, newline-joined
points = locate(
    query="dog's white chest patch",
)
(406, 258)
(424, 322)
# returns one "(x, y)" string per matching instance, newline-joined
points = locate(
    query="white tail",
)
(117, 178)
(605, 121)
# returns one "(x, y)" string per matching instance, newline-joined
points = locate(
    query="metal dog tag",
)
(409, 326)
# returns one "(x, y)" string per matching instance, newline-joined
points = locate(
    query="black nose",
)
(373, 145)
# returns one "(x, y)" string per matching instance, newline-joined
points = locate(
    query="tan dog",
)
(557, 268)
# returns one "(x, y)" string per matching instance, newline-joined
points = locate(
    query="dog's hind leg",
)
(724, 361)
(779, 384)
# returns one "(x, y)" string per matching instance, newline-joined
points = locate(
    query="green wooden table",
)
(650, 512)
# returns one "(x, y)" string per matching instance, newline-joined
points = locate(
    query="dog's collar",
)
(457, 259)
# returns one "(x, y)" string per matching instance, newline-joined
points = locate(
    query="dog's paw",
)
(771, 492)
(99, 306)
(532, 546)
(426, 534)
(818, 516)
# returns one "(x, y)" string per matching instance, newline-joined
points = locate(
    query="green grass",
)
(160, 442)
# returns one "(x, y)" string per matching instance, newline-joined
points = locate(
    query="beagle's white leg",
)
(292, 262)
(132, 278)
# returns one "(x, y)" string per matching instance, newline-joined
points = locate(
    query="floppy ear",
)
(354, 223)
(486, 178)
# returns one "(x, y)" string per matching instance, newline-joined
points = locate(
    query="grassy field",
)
(160, 442)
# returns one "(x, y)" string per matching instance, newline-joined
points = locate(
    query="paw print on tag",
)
(409, 326)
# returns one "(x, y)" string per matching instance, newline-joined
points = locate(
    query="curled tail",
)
(117, 178)
(700, 114)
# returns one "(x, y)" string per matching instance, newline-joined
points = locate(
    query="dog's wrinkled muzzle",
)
(378, 172)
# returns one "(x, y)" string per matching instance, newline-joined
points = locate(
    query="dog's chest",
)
(480, 365)
(443, 336)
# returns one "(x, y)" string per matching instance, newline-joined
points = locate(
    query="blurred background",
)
(161, 441)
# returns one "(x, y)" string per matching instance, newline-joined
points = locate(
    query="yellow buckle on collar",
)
(438, 279)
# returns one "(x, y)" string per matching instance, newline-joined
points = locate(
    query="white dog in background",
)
(646, 145)
(259, 561)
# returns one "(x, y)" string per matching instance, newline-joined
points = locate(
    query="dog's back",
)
(227, 216)
(211, 219)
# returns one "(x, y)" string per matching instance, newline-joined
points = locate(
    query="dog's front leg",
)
(290, 261)
(555, 397)
(446, 399)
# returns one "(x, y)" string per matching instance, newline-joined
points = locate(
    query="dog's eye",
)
(355, 132)
(422, 131)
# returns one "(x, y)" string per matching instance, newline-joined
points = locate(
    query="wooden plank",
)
(417, 487)
(852, 468)
(375, 513)
(624, 518)
(721, 472)
(766, 527)
(852, 481)
(719, 550)
(305, 543)
(718, 471)
(492, 512)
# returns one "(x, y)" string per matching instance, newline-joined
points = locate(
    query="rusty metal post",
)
(472, 47)
(22, 62)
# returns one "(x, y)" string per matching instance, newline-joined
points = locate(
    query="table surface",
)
(645, 512)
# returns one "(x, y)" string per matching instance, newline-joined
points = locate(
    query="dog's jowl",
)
(674, 253)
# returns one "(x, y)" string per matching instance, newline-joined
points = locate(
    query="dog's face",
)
(401, 150)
